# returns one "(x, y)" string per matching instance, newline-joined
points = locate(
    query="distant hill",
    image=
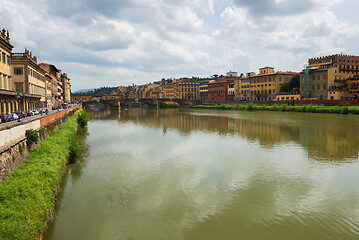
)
(97, 91)
(84, 90)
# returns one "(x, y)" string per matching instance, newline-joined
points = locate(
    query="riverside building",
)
(263, 86)
(29, 78)
(56, 87)
(330, 77)
(8, 101)
(188, 89)
(218, 90)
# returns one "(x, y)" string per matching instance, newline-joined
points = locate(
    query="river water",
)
(204, 174)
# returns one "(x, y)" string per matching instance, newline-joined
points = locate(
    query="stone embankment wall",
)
(13, 149)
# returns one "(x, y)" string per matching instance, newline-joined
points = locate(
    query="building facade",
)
(218, 89)
(56, 86)
(263, 86)
(330, 77)
(66, 88)
(188, 89)
(170, 90)
(8, 102)
(29, 77)
(203, 90)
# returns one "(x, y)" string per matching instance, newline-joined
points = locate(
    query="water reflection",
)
(183, 174)
(324, 136)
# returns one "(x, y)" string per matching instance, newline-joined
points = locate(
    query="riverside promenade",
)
(14, 131)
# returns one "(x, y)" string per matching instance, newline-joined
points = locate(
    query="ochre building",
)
(331, 77)
(263, 86)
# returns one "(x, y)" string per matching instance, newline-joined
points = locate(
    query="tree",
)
(292, 86)
(294, 83)
(284, 88)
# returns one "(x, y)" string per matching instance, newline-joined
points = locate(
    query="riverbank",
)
(285, 108)
(27, 196)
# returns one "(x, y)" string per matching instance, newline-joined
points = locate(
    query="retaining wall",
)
(13, 149)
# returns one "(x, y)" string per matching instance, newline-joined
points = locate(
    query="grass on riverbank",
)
(163, 105)
(286, 108)
(27, 195)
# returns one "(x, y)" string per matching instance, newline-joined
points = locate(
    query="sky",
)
(125, 42)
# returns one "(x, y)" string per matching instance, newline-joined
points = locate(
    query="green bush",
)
(283, 108)
(82, 119)
(354, 110)
(21, 148)
(32, 136)
(75, 148)
(345, 110)
(274, 107)
(250, 106)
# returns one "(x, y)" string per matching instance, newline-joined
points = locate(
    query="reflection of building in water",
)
(332, 142)
(323, 136)
(267, 133)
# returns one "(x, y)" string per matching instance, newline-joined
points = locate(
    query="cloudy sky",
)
(124, 42)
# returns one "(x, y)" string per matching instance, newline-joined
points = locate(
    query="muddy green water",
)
(203, 174)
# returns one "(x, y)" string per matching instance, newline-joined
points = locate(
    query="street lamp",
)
(18, 103)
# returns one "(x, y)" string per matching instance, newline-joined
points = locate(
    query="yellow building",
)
(330, 76)
(353, 86)
(5, 62)
(261, 87)
(6, 105)
(29, 77)
(188, 89)
(288, 97)
(120, 91)
(56, 87)
(66, 88)
(170, 90)
(203, 90)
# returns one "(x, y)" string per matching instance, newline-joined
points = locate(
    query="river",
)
(205, 174)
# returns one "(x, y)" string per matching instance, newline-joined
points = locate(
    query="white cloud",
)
(173, 39)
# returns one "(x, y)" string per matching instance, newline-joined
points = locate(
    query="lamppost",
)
(18, 103)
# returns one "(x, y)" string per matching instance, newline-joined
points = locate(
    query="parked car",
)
(11, 118)
(29, 113)
(14, 116)
(23, 114)
(0, 120)
(35, 112)
(4, 118)
(19, 114)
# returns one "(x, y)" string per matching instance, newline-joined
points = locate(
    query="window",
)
(318, 87)
(280, 79)
(3, 58)
(8, 60)
(324, 87)
(18, 71)
(5, 82)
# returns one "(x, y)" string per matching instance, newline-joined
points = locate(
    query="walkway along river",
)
(203, 174)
